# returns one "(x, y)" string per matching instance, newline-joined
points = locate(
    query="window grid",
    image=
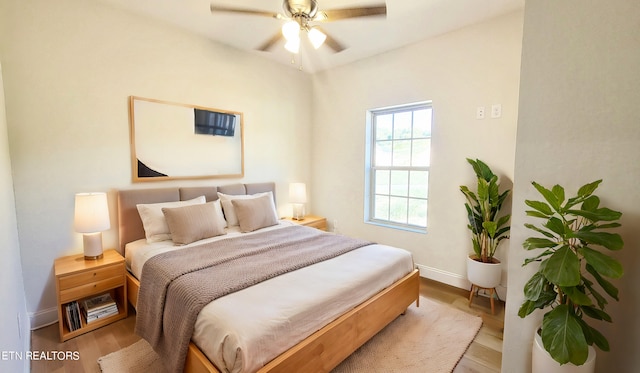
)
(387, 205)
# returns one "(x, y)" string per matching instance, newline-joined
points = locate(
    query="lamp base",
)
(92, 243)
(298, 211)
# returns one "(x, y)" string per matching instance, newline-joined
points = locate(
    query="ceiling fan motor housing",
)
(300, 8)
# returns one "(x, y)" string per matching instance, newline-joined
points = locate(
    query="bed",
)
(327, 334)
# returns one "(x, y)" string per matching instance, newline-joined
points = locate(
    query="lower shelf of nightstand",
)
(119, 296)
(66, 334)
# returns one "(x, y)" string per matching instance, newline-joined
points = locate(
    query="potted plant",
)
(571, 280)
(487, 228)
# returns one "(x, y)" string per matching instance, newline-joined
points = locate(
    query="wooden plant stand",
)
(492, 292)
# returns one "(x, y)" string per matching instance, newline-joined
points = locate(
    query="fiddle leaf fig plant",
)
(574, 266)
(487, 228)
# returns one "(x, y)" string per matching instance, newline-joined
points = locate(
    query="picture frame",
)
(174, 141)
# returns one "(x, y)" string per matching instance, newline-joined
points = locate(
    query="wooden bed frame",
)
(320, 352)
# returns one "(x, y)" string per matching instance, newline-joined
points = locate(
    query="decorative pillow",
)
(255, 213)
(229, 211)
(153, 221)
(192, 223)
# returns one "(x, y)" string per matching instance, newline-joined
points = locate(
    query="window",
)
(397, 162)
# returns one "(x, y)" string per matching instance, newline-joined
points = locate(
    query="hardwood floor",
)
(484, 353)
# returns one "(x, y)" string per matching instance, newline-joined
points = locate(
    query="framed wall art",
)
(180, 141)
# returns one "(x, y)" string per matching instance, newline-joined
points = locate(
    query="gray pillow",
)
(255, 213)
(192, 223)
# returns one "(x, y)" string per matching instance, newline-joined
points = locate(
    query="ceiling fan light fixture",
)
(291, 30)
(316, 37)
(293, 45)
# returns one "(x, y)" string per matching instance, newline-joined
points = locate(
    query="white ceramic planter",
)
(484, 275)
(542, 362)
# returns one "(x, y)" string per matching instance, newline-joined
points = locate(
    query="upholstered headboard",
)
(129, 224)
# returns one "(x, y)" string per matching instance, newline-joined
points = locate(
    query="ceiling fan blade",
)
(270, 43)
(336, 14)
(220, 8)
(332, 43)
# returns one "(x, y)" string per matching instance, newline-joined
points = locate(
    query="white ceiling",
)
(407, 22)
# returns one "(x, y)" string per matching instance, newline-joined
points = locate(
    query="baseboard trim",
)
(454, 279)
(40, 319)
(444, 277)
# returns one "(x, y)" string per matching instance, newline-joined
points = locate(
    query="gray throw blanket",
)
(176, 285)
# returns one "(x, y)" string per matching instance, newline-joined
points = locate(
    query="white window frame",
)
(371, 168)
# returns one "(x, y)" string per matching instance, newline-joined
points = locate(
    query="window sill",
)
(401, 227)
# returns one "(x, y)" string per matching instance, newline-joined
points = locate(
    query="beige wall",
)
(475, 66)
(578, 122)
(69, 68)
(14, 335)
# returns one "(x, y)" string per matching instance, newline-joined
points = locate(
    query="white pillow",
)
(229, 211)
(153, 221)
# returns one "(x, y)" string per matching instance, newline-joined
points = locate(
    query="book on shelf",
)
(72, 310)
(99, 307)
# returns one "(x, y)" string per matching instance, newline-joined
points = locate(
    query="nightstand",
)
(78, 279)
(311, 221)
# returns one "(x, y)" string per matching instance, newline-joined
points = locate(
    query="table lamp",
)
(298, 197)
(91, 218)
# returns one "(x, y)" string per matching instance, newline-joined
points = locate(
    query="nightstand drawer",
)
(320, 224)
(71, 281)
(92, 288)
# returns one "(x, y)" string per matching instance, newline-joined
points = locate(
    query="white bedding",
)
(243, 331)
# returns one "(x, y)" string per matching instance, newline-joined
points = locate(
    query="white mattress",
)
(243, 331)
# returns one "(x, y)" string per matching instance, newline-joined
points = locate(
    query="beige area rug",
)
(428, 339)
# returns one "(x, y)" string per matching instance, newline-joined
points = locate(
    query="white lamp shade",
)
(316, 37)
(91, 213)
(297, 193)
(291, 30)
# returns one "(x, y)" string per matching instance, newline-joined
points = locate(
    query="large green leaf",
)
(611, 241)
(483, 190)
(536, 214)
(490, 227)
(558, 191)
(494, 194)
(562, 336)
(563, 267)
(602, 302)
(606, 285)
(481, 169)
(537, 258)
(503, 220)
(540, 206)
(538, 243)
(603, 264)
(593, 336)
(534, 286)
(542, 231)
(555, 225)
(577, 296)
(502, 232)
(587, 189)
(548, 195)
(546, 298)
(596, 313)
(468, 193)
(591, 203)
(602, 214)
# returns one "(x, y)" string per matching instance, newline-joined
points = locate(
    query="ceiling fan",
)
(300, 14)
